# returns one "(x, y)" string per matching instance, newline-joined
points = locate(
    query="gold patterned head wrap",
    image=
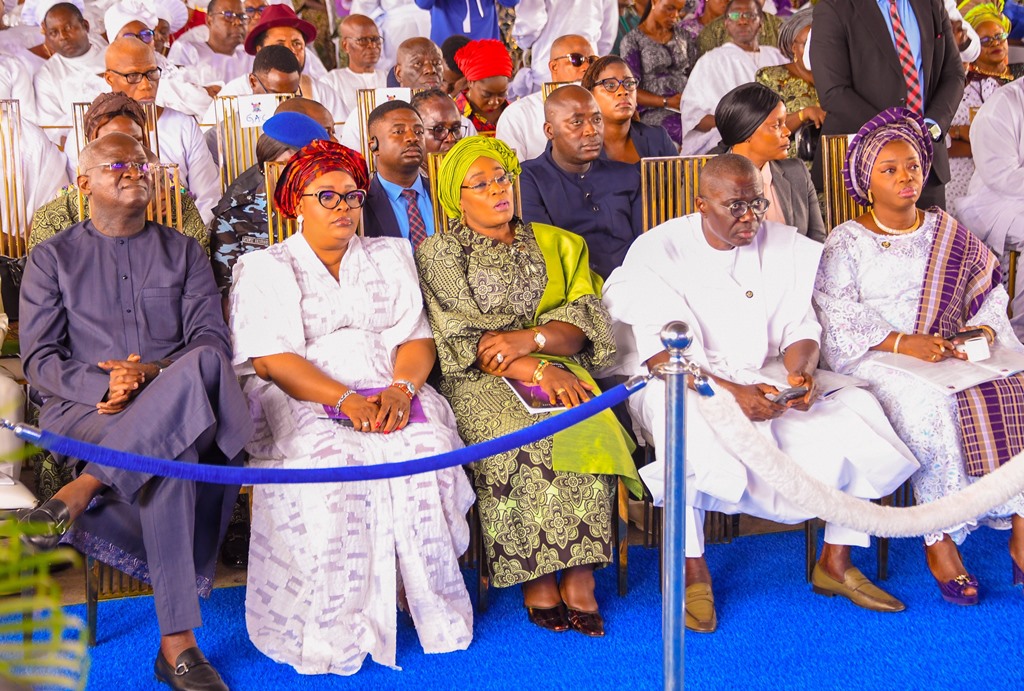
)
(318, 158)
(977, 12)
(457, 162)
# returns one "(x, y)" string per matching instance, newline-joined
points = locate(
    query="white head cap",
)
(34, 11)
(127, 11)
(174, 12)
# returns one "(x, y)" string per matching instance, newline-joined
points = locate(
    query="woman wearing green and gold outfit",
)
(516, 300)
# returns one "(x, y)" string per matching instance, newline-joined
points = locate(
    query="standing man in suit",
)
(869, 55)
(397, 203)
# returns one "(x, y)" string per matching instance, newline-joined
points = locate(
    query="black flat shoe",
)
(191, 672)
(587, 623)
(234, 552)
(52, 518)
(550, 618)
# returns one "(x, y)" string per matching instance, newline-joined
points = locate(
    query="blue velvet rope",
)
(227, 475)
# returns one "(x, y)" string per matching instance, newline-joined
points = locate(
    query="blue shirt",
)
(913, 32)
(401, 206)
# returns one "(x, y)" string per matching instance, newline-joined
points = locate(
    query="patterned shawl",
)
(961, 272)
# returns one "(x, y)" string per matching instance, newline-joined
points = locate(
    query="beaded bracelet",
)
(406, 387)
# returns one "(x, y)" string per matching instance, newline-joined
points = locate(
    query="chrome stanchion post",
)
(676, 338)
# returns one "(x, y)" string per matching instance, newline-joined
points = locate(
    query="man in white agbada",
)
(994, 206)
(72, 75)
(398, 21)
(539, 23)
(744, 286)
(721, 70)
(43, 173)
(221, 57)
(361, 41)
(138, 19)
(521, 126)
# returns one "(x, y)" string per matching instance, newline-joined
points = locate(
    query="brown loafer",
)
(587, 623)
(856, 588)
(700, 609)
(550, 618)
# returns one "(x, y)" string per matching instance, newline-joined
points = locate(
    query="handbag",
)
(11, 271)
(807, 137)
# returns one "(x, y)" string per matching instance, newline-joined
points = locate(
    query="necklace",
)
(1005, 74)
(895, 231)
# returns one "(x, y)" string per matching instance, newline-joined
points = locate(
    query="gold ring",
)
(560, 392)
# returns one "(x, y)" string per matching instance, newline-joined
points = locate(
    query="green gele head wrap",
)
(457, 162)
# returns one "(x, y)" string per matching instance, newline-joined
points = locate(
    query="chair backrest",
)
(165, 206)
(668, 187)
(366, 101)
(237, 134)
(279, 226)
(441, 219)
(839, 206)
(14, 218)
(150, 137)
(548, 87)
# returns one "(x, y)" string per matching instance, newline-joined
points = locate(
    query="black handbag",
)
(807, 137)
(11, 271)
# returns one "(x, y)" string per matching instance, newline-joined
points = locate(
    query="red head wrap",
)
(482, 59)
(317, 158)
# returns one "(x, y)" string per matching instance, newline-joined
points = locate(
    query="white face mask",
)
(807, 51)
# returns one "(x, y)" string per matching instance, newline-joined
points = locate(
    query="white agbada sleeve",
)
(521, 126)
(16, 84)
(181, 142)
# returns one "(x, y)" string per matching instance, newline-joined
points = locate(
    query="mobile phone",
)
(786, 395)
(964, 336)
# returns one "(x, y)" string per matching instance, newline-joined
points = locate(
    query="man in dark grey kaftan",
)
(123, 336)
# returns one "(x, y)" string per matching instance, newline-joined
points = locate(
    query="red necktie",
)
(914, 98)
(417, 228)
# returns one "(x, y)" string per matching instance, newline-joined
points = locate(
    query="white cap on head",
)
(174, 12)
(34, 11)
(125, 12)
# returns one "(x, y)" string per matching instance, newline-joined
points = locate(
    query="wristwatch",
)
(935, 131)
(539, 339)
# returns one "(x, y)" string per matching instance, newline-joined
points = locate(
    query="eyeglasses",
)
(502, 181)
(736, 16)
(329, 199)
(442, 132)
(254, 12)
(152, 75)
(577, 59)
(233, 17)
(365, 41)
(122, 167)
(146, 35)
(739, 208)
(998, 38)
(612, 84)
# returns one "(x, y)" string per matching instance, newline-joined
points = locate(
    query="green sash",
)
(598, 445)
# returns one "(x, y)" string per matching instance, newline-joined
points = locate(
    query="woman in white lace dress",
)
(317, 321)
(902, 280)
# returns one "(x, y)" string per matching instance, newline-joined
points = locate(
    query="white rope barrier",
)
(736, 432)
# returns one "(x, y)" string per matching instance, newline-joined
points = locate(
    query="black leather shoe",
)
(52, 518)
(191, 672)
(234, 552)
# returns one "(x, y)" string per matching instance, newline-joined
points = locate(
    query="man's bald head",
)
(104, 149)
(567, 50)
(125, 49)
(360, 39)
(568, 98)
(128, 59)
(419, 64)
(112, 178)
(575, 126)
(356, 22)
(722, 171)
(311, 109)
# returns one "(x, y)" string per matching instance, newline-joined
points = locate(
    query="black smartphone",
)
(786, 395)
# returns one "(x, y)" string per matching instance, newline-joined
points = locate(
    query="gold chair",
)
(441, 219)
(150, 136)
(236, 140)
(366, 101)
(548, 87)
(14, 216)
(279, 227)
(668, 187)
(839, 206)
(1011, 281)
(104, 582)
(165, 206)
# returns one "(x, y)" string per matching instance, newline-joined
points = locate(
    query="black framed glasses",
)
(502, 181)
(329, 199)
(998, 38)
(577, 59)
(146, 35)
(736, 16)
(442, 132)
(611, 84)
(122, 167)
(739, 208)
(233, 17)
(366, 41)
(152, 75)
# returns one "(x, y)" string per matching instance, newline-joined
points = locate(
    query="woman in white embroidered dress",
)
(317, 321)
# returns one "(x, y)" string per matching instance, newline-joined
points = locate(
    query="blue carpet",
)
(773, 634)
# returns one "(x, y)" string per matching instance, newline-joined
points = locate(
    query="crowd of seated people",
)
(476, 241)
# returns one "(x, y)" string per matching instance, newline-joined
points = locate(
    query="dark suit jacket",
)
(858, 75)
(795, 193)
(378, 215)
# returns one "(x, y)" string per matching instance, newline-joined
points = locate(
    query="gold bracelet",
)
(896, 345)
(538, 374)
(990, 333)
(800, 114)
